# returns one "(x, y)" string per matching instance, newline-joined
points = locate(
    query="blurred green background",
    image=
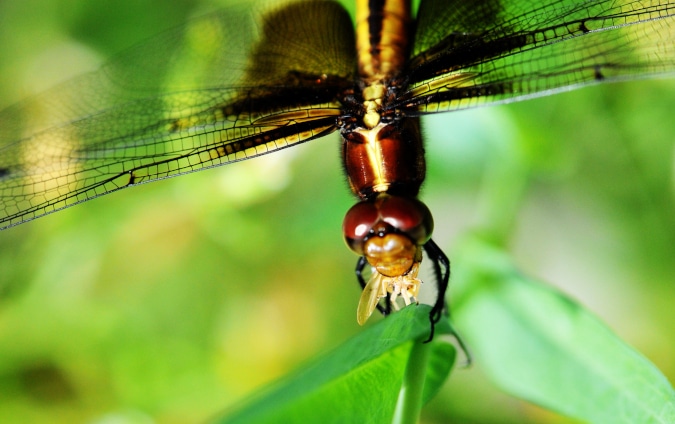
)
(173, 301)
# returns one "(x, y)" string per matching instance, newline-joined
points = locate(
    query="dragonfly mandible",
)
(295, 71)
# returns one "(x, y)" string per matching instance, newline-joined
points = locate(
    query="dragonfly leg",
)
(441, 266)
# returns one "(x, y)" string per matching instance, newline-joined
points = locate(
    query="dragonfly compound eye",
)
(358, 225)
(407, 217)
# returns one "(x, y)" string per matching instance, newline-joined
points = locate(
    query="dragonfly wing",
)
(469, 54)
(225, 87)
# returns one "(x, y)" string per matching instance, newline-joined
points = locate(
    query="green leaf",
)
(360, 380)
(539, 345)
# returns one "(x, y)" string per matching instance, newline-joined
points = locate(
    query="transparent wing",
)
(375, 289)
(226, 87)
(471, 53)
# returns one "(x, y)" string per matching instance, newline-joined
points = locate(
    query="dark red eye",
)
(357, 224)
(410, 216)
(387, 214)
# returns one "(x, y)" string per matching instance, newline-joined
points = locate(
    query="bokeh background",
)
(173, 301)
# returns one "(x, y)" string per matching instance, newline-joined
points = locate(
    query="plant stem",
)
(409, 404)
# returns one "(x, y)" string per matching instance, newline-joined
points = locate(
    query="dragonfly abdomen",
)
(382, 33)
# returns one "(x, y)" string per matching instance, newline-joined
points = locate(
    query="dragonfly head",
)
(389, 232)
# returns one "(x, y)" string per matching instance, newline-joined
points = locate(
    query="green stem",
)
(409, 404)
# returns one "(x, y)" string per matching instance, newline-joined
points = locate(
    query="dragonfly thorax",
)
(372, 103)
(388, 158)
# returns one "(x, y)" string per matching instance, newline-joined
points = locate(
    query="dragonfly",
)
(252, 80)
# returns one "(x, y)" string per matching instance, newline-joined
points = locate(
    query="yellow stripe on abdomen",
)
(381, 38)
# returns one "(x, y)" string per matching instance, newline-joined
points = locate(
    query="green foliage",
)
(534, 342)
(541, 346)
(360, 380)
